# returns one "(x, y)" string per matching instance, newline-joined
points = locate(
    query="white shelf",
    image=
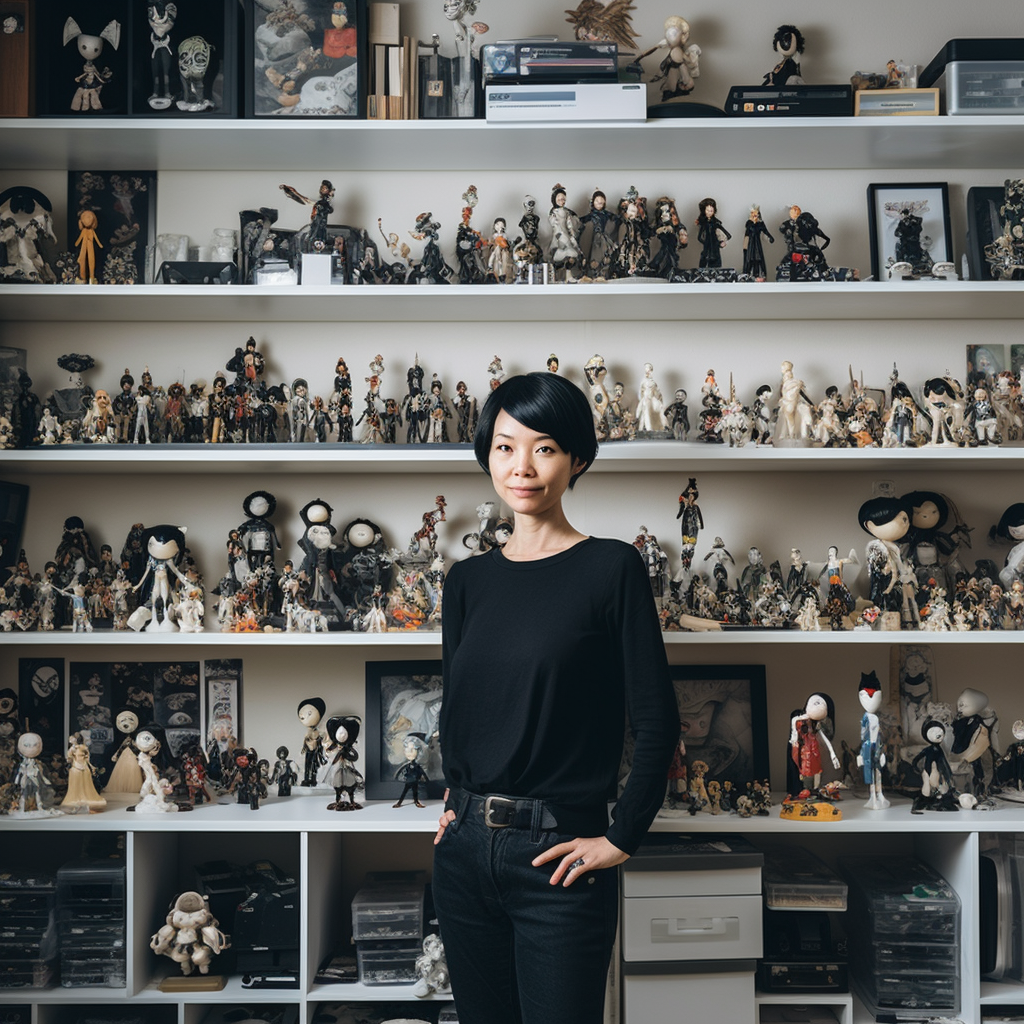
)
(769, 300)
(87, 995)
(806, 144)
(360, 993)
(232, 992)
(1010, 993)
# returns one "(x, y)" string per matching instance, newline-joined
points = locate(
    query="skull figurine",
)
(194, 56)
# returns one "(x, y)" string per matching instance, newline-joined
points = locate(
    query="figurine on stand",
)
(807, 728)
(711, 233)
(161, 17)
(871, 759)
(526, 248)
(974, 741)
(321, 208)
(787, 43)
(412, 774)
(30, 784)
(342, 733)
(753, 251)
(681, 65)
(432, 268)
(81, 794)
(91, 81)
(192, 936)
(156, 788)
(311, 711)
(937, 793)
(166, 547)
(566, 254)
(285, 772)
(604, 238)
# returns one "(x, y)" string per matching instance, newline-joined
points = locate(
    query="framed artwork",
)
(909, 223)
(222, 711)
(403, 699)
(985, 361)
(984, 225)
(184, 59)
(305, 60)
(723, 722)
(41, 704)
(115, 210)
(82, 59)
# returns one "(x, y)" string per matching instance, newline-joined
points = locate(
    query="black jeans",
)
(520, 950)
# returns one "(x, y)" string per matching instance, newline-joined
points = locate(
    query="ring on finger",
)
(577, 863)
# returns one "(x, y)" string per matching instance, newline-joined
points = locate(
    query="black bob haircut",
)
(544, 402)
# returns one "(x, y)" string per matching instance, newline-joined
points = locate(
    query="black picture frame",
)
(125, 206)
(13, 507)
(401, 697)
(885, 200)
(157, 89)
(984, 226)
(283, 80)
(61, 72)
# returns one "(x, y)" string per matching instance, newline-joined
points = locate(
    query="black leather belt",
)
(500, 811)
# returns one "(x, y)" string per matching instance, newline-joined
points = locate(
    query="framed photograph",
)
(184, 59)
(403, 699)
(909, 223)
(117, 210)
(305, 60)
(723, 723)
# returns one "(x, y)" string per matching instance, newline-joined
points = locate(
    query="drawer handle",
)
(684, 926)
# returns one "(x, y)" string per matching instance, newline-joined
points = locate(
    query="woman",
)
(544, 642)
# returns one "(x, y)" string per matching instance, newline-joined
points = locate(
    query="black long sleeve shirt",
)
(541, 660)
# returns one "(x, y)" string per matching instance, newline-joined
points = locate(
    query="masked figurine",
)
(310, 712)
(195, 55)
(871, 758)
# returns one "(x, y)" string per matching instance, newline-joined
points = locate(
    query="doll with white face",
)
(34, 790)
(936, 777)
(126, 775)
(310, 712)
(807, 732)
(893, 582)
(156, 789)
(871, 758)
(973, 738)
(165, 546)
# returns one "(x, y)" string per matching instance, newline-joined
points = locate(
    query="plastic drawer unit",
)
(691, 929)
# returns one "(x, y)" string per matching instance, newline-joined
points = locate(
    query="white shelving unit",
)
(184, 331)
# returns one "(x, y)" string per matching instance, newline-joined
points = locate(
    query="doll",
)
(161, 17)
(247, 780)
(469, 242)
(432, 268)
(945, 404)
(1011, 527)
(191, 937)
(604, 238)
(753, 251)
(649, 410)
(91, 81)
(342, 732)
(690, 514)
(1014, 756)
(681, 65)
(526, 248)
(81, 794)
(633, 255)
(807, 727)
(311, 711)
(671, 236)
(321, 209)
(871, 759)
(320, 565)
(166, 548)
(677, 416)
(710, 233)
(566, 254)
(466, 413)
(974, 738)
(935, 520)
(937, 792)
(787, 42)
(257, 534)
(500, 268)
(432, 968)
(193, 775)
(156, 787)
(30, 784)
(412, 774)
(285, 773)
(893, 582)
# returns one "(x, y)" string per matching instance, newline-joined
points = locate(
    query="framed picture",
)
(909, 223)
(117, 210)
(13, 505)
(222, 711)
(985, 224)
(305, 60)
(723, 723)
(184, 59)
(403, 700)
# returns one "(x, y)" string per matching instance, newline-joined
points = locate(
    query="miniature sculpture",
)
(526, 248)
(973, 739)
(689, 512)
(126, 776)
(26, 233)
(257, 534)
(787, 42)
(796, 410)
(871, 759)
(192, 936)
(320, 564)
(753, 251)
(30, 784)
(633, 255)
(468, 242)
(464, 79)
(604, 237)
(87, 242)
(671, 235)
(91, 81)
(431, 269)
(166, 548)
(893, 582)
(317, 240)
(677, 416)
(247, 777)
(311, 711)
(710, 233)
(681, 65)
(161, 17)
(432, 969)
(1014, 756)
(566, 254)
(945, 401)
(81, 792)
(156, 789)
(500, 266)
(285, 772)
(649, 410)
(612, 22)
(412, 774)
(193, 775)
(937, 792)
(342, 733)
(807, 727)
(1011, 527)
(195, 56)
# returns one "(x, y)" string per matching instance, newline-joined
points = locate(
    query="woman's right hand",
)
(443, 822)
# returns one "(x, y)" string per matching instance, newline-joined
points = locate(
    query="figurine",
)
(794, 424)
(690, 514)
(195, 55)
(1014, 756)
(285, 773)
(34, 790)
(412, 774)
(126, 776)
(87, 241)
(566, 254)
(604, 237)
(320, 563)
(807, 727)
(26, 232)
(937, 792)
(936, 533)
(944, 398)
(677, 416)
(893, 582)
(464, 78)
(431, 269)
(317, 240)
(257, 534)
(192, 936)
(161, 17)
(596, 22)
(466, 412)
(342, 732)
(91, 81)
(681, 65)
(974, 738)
(155, 788)
(166, 547)
(710, 233)
(468, 242)
(81, 792)
(651, 405)
(247, 777)
(432, 969)
(500, 266)
(871, 759)
(193, 775)
(311, 711)
(671, 235)
(1011, 527)
(526, 248)
(908, 228)
(787, 42)
(633, 255)
(753, 251)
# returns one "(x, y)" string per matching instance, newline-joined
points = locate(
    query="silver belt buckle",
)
(499, 804)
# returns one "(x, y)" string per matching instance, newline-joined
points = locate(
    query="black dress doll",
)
(671, 236)
(753, 250)
(711, 234)
(603, 241)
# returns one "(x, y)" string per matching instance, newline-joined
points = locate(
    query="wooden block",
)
(17, 74)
